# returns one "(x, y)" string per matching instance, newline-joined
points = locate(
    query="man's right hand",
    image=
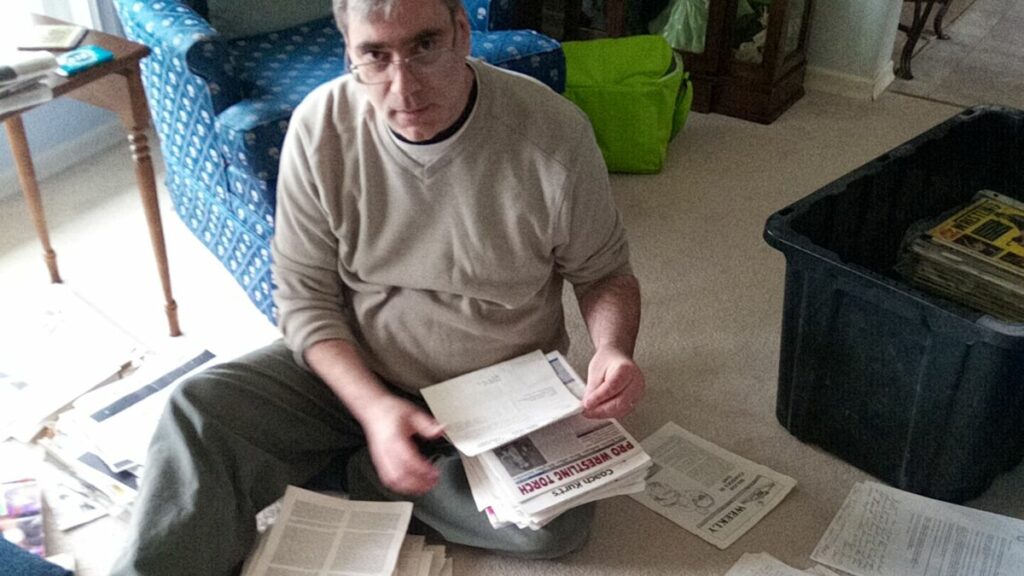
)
(392, 426)
(391, 423)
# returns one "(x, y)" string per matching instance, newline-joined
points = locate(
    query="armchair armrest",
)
(172, 30)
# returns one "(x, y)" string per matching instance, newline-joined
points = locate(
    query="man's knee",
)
(565, 534)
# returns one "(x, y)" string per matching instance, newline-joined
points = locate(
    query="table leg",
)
(30, 189)
(913, 35)
(135, 123)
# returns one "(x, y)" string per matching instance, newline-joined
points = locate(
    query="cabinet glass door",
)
(795, 20)
(750, 30)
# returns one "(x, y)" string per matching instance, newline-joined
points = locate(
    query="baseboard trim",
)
(833, 82)
(59, 158)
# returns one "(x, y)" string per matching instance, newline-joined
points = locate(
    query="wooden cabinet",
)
(753, 60)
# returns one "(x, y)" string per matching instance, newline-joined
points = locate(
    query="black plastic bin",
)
(921, 392)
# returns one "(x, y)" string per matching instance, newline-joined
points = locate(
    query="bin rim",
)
(780, 235)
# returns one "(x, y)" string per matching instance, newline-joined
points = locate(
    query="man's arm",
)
(390, 423)
(611, 309)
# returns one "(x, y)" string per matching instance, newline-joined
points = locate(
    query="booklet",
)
(706, 489)
(492, 406)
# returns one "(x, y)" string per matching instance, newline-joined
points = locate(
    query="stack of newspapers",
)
(22, 79)
(528, 452)
(974, 256)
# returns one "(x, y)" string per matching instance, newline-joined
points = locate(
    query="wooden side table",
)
(117, 86)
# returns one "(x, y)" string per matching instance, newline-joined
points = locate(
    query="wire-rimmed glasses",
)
(383, 71)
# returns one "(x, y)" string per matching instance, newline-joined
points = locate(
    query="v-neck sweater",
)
(436, 269)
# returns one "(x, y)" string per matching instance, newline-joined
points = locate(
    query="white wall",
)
(850, 46)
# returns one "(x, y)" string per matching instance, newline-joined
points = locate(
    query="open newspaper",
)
(974, 256)
(883, 531)
(317, 534)
(530, 478)
(706, 489)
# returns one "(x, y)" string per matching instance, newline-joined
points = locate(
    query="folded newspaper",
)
(974, 256)
(539, 457)
(706, 489)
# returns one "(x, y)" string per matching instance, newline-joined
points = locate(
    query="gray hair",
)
(364, 8)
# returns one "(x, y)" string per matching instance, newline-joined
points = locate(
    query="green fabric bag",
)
(636, 94)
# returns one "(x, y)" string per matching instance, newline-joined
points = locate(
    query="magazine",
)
(21, 515)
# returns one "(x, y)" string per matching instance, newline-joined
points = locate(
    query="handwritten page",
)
(883, 531)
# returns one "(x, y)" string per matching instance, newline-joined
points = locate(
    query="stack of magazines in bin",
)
(974, 257)
(529, 453)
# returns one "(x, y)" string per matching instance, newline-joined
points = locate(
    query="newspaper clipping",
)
(707, 490)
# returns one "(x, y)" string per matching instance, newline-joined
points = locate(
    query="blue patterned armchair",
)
(221, 107)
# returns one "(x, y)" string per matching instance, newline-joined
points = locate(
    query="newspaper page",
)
(495, 405)
(708, 490)
(321, 535)
(559, 454)
(883, 531)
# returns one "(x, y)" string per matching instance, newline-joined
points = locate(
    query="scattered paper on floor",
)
(706, 489)
(884, 531)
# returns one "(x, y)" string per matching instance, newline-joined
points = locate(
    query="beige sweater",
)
(435, 270)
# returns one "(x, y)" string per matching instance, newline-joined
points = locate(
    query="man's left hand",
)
(614, 385)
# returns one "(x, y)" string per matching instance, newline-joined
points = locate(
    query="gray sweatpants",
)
(233, 437)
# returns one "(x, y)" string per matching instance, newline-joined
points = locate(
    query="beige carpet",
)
(710, 340)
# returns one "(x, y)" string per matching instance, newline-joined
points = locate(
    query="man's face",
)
(417, 104)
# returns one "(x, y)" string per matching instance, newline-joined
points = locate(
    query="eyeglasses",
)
(384, 71)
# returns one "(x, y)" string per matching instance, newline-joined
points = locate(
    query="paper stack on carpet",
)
(529, 454)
